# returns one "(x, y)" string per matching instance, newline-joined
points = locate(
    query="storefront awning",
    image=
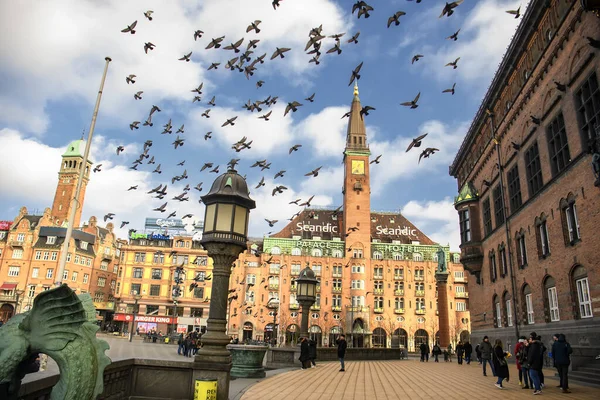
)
(8, 286)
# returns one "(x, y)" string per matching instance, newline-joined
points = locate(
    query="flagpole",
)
(75, 201)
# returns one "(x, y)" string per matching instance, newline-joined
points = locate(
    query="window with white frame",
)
(459, 289)
(251, 279)
(399, 303)
(572, 222)
(583, 298)
(14, 271)
(337, 253)
(544, 238)
(316, 252)
(101, 281)
(296, 251)
(38, 255)
(250, 297)
(498, 315)
(31, 292)
(459, 275)
(35, 272)
(529, 308)
(54, 256)
(86, 278)
(397, 257)
(46, 256)
(461, 306)
(337, 270)
(274, 296)
(51, 240)
(316, 269)
(65, 275)
(275, 250)
(358, 301)
(83, 245)
(399, 273)
(357, 253)
(77, 259)
(17, 253)
(74, 276)
(417, 257)
(20, 237)
(336, 300)
(509, 319)
(358, 284)
(295, 269)
(553, 304)
(293, 299)
(98, 297)
(104, 265)
(358, 269)
(377, 255)
(69, 257)
(378, 272)
(49, 273)
(337, 285)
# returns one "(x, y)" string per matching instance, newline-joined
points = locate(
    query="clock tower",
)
(357, 189)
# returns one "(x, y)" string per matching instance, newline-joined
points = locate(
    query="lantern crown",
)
(230, 187)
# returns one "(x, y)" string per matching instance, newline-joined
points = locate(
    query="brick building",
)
(30, 248)
(376, 271)
(528, 204)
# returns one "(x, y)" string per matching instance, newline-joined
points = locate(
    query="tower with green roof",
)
(71, 163)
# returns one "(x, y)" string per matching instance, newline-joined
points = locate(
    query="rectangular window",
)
(316, 269)
(465, 225)
(583, 296)
(522, 250)
(17, 253)
(509, 319)
(136, 288)
(251, 279)
(493, 268)
(140, 257)
(498, 208)
(533, 169)
(336, 301)
(358, 269)
(138, 273)
(65, 275)
(529, 306)
(553, 304)
(461, 306)
(154, 290)
(51, 240)
(20, 237)
(544, 239)
(54, 256)
(378, 273)
(587, 102)
(104, 265)
(159, 258)
(558, 146)
(503, 262)
(86, 278)
(337, 271)
(572, 223)
(156, 273)
(498, 316)
(38, 255)
(31, 292)
(514, 189)
(101, 281)
(199, 292)
(49, 273)
(46, 256)
(76, 259)
(74, 277)
(14, 271)
(358, 284)
(83, 245)
(487, 217)
(295, 269)
(35, 272)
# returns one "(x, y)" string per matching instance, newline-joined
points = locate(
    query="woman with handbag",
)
(500, 365)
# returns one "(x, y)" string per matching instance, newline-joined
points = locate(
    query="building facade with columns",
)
(528, 179)
(31, 245)
(376, 272)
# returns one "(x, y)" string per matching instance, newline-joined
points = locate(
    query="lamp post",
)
(18, 294)
(224, 237)
(307, 287)
(273, 305)
(137, 298)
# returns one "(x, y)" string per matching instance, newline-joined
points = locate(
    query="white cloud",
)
(327, 131)
(483, 39)
(438, 218)
(53, 51)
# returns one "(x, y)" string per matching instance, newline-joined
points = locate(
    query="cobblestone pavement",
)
(381, 380)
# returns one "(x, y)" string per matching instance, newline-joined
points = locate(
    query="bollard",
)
(205, 389)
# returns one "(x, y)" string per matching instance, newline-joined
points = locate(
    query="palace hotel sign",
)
(380, 230)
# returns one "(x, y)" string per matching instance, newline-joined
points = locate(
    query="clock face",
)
(358, 167)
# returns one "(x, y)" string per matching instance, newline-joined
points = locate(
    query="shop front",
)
(145, 323)
(189, 324)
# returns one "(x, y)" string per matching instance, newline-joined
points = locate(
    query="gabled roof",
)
(33, 221)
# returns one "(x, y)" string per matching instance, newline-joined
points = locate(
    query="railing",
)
(108, 257)
(377, 291)
(460, 279)
(336, 290)
(399, 292)
(336, 275)
(461, 295)
(378, 277)
(273, 271)
(315, 307)
(420, 312)
(378, 310)
(274, 286)
(336, 308)
(398, 277)
(358, 309)
(294, 306)
(419, 293)
(419, 278)
(17, 243)
(7, 297)
(399, 311)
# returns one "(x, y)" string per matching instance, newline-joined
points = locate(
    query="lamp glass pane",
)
(311, 290)
(224, 215)
(301, 288)
(239, 224)
(209, 219)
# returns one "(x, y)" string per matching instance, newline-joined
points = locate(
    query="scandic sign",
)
(381, 230)
(145, 318)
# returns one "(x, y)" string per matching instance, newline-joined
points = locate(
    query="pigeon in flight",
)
(354, 39)
(412, 103)
(97, 168)
(449, 8)
(230, 121)
(260, 183)
(395, 19)
(120, 149)
(294, 148)
(279, 52)
(453, 63)
(198, 34)
(454, 36)
(108, 216)
(416, 142)
(234, 46)
(516, 13)
(149, 46)
(376, 160)
(215, 42)
(253, 26)
(314, 172)
(451, 90)
(427, 152)
(293, 106)
(266, 116)
(134, 125)
(355, 74)
(130, 28)
(417, 57)
(271, 222)
(278, 189)
(186, 57)
(138, 95)
(148, 14)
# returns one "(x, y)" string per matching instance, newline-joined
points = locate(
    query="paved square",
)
(380, 380)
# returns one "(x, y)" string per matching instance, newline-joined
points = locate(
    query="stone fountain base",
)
(247, 360)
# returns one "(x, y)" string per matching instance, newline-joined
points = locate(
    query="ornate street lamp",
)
(591, 5)
(273, 305)
(137, 298)
(306, 295)
(228, 206)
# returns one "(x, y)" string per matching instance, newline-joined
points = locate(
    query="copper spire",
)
(356, 138)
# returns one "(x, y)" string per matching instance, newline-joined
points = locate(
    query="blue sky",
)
(52, 61)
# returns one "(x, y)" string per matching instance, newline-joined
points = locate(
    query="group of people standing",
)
(308, 352)
(529, 357)
(463, 352)
(189, 344)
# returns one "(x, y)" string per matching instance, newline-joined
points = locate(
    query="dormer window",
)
(392, 220)
(84, 245)
(51, 240)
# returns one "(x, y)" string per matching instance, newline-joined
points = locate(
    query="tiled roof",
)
(33, 221)
(60, 233)
(385, 227)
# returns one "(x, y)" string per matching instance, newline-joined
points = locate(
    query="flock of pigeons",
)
(246, 61)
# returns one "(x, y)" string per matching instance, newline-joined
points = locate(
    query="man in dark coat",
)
(486, 355)
(561, 353)
(304, 353)
(341, 352)
(312, 352)
(468, 351)
(460, 352)
(423, 348)
(535, 362)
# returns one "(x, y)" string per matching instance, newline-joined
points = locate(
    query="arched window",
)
(542, 237)
(497, 312)
(417, 257)
(377, 255)
(456, 258)
(521, 248)
(275, 250)
(551, 300)
(580, 281)
(493, 267)
(397, 257)
(296, 251)
(337, 253)
(528, 304)
(399, 304)
(508, 313)
(316, 252)
(570, 221)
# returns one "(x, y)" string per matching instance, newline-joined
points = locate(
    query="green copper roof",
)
(467, 193)
(75, 149)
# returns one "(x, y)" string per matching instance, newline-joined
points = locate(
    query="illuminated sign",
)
(317, 244)
(328, 227)
(5, 225)
(145, 318)
(149, 236)
(399, 231)
(166, 223)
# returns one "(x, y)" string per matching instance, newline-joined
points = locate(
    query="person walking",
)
(436, 352)
(449, 350)
(460, 352)
(518, 353)
(478, 354)
(535, 362)
(423, 349)
(341, 351)
(486, 355)
(180, 344)
(499, 363)
(561, 353)
(468, 351)
(312, 352)
(304, 352)
(527, 381)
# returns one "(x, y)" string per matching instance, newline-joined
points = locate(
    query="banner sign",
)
(145, 318)
(5, 225)
(149, 236)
